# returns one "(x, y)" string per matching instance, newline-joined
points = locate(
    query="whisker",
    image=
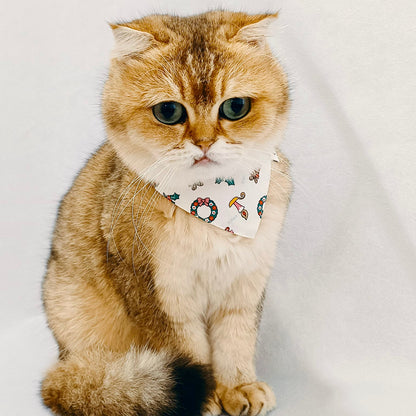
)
(140, 191)
(154, 196)
(119, 200)
(114, 222)
(153, 238)
(137, 230)
(141, 176)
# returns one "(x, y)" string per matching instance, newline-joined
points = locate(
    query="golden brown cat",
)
(155, 312)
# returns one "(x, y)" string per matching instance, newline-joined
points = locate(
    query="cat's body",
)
(147, 303)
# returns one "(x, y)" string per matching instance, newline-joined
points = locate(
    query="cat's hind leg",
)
(139, 382)
(104, 369)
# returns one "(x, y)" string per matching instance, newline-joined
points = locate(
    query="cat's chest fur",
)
(203, 261)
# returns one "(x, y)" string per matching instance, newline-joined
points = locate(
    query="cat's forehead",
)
(205, 76)
(202, 75)
(204, 60)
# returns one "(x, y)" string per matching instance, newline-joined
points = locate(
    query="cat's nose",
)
(204, 148)
(205, 145)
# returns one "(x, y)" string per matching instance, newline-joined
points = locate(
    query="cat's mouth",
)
(204, 161)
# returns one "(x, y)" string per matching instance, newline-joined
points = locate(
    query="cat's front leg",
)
(183, 307)
(233, 333)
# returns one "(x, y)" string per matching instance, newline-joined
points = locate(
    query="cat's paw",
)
(213, 407)
(254, 399)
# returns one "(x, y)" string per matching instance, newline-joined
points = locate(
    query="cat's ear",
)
(130, 42)
(255, 33)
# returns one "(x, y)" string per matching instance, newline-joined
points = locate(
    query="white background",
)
(338, 336)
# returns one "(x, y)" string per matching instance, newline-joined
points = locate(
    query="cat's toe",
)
(254, 399)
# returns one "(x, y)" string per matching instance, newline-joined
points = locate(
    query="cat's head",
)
(197, 96)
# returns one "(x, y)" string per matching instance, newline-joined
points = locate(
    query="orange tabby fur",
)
(140, 295)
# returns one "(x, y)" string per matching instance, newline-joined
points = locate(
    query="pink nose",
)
(204, 145)
(204, 148)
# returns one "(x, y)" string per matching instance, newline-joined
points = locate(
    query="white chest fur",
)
(199, 262)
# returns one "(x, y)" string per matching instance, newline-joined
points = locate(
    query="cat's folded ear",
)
(130, 42)
(255, 33)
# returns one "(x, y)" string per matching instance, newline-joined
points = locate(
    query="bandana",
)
(234, 204)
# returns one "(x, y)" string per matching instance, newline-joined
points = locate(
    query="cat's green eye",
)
(235, 108)
(169, 112)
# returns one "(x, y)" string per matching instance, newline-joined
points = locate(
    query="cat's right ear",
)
(254, 30)
(130, 42)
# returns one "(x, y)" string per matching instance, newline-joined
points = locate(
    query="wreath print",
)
(199, 202)
(260, 205)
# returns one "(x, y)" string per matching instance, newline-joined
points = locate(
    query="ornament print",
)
(172, 198)
(199, 202)
(255, 175)
(240, 208)
(195, 185)
(260, 205)
(230, 181)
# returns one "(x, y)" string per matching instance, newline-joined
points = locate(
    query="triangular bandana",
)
(234, 204)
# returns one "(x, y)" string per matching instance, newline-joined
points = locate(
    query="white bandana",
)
(234, 204)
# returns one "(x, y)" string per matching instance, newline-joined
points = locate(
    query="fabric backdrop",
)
(338, 335)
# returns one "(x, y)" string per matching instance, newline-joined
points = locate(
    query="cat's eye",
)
(169, 112)
(235, 108)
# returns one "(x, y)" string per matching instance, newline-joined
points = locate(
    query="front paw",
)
(247, 399)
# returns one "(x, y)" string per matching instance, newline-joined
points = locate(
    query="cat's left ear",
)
(130, 42)
(255, 33)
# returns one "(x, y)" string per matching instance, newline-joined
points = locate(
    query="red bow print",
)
(202, 201)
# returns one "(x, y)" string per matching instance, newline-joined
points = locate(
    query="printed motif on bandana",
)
(255, 176)
(201, 202)
(240, 208)
(195, 185)
(230, 181)
(260, 205)
(172, 198)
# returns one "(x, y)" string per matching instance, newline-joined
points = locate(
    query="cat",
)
(155, 312)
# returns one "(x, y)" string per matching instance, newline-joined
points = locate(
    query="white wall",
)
(339, 332)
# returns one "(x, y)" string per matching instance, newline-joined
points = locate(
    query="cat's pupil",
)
(236, 105)
(168, 109)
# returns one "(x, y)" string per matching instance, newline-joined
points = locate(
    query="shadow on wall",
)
(298, 389)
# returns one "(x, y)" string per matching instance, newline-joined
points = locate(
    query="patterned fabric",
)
(235, 204)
